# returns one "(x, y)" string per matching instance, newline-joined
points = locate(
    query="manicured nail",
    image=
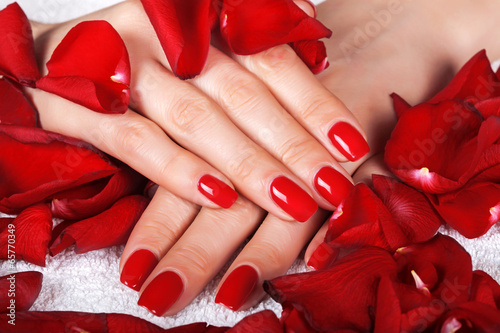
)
(322, 257)
(162, 293)
(348, 141)
(217, 191)
(137, 268)
(293, 199)
(332, 185)
(237, 287)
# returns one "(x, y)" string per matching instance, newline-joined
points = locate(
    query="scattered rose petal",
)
(312, 53)
(470, 317)
(23, 288)
(400, 105)
(90, 67)
(17, 59)
(14, 107)
(28, 235)
(260, 322)
(112, 227)
(485, 289)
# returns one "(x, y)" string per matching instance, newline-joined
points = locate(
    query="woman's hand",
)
(225, 123)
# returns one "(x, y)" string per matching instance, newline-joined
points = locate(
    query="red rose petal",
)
(75, 205)
(312, 53)
(23, 288)
(485, 289)
(489, 107)
(61, 163)
(112, 227)
(400, 105)
(293, 321)
(14, 107)
(388, 311)
(340, 297)
(433, 146)
(409, 208)
(28, 235)
(260, 322)
(183, 28)
(17, 59)
(254, 26)
(475, 82)
(471, 317)
(90, 67)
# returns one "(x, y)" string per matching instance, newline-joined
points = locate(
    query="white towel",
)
(90, 282)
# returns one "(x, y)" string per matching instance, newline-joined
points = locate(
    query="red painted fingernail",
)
(137, 268)
(217, 191)
(237, 287)
(322, 257)
(293, 199)
(348, 141)
(332, 185)
(162, 293)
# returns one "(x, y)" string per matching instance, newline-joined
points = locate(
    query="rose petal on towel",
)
(14, 107)
(23, 288)
(36, 164)
(472, 317)
(485, 289)
(254, 26)
(400, 105)
(475, 82)
(312, 53)
(17, 58)
(28, 235)
(111, 227)
(294, 321)
(340, 297)
(90, 67)
(260, 322)
(183, 28)
(94, 198)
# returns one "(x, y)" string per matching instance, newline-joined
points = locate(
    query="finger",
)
(318, 253)
(198, 256)
(199, 125)
(269, 254)
(251, 106)
(309, 102)
(141, 144)
(160, 226)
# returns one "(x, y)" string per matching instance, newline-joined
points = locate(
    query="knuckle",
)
(268, 252)
(314, 106)
(242, 167)
(131, 137)
(188, 114)
(241, 92)
(195, 257)
(157, 232)
(296, 149)
(278, 59)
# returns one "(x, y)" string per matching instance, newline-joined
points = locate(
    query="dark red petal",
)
(451, 262)
(18, 292)
(433, 147)
(112, 227)
(17, 58)
(61, 163)
(341, 297)
(475, 82)
(409, 208)
(260, 322)
(14, 107)
(400, 105)
(470, 317)
(387, 310)
(473, 210)
(183, 28)
(485, 289)
(253, 26)
(27, 236)
(312, 53)
(76, 205)
(294, 321)
(90, 67)
(489, 107)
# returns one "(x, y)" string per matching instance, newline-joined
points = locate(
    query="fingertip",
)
(307, 6)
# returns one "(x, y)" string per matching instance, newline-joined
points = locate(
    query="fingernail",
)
(293, 199)
(237, 287)
(348, 141)
(322, 257)
(332, 185)
(217, 191)
(162, 293)
(137, 268)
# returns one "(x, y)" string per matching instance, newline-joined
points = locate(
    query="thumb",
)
(307, 6)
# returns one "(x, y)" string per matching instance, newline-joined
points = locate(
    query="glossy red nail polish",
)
(293, 199)
(162, 293)
(348, 141)
(322, 257)
(237, 287)
(332, 185)
(217, 191)
(137, 268)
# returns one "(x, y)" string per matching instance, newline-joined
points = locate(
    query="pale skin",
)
(194, 237)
